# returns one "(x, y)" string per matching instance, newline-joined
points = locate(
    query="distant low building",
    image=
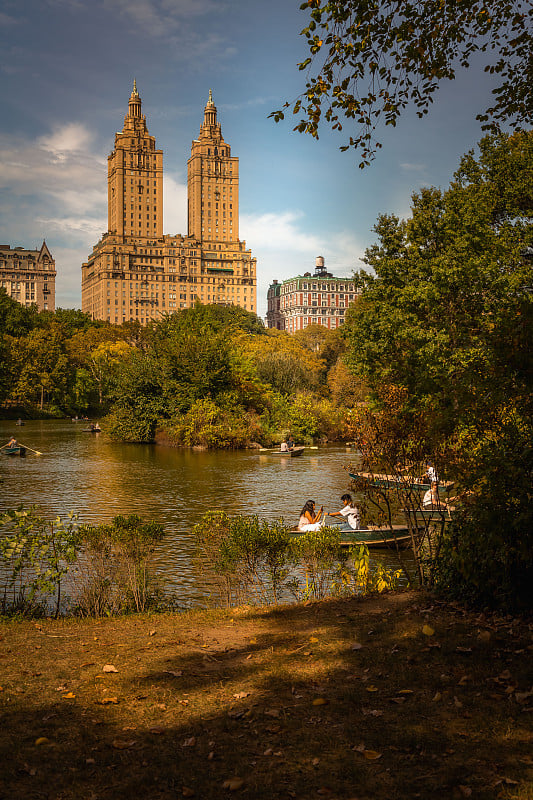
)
(319, 299)
(29, 276)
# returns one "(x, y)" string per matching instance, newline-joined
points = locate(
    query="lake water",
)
(98, 479)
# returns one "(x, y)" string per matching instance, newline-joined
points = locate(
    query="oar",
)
(37, 452)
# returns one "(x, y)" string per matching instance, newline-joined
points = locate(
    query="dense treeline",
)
(443, 334)
(207, 376)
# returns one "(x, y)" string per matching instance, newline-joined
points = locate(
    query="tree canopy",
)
(371, 59)
(446, 323)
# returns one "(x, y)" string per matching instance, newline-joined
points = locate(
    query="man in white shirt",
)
(348, 511)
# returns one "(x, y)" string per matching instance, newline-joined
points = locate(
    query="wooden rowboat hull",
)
(14, 451)
(377, 537)
(381, 481)
(296, 451)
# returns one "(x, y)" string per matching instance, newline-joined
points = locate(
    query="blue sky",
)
(66, 71)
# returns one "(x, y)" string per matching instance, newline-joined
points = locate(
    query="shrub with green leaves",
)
(114, 574)
(35, 554)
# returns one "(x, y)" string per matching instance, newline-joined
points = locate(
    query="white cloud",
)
(66, 140)
(54, 188)
(285, 246)
(174, 206)
(168, 19)
(410, 167)
(5, 20)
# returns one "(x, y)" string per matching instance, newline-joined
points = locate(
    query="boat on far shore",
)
(292, 453)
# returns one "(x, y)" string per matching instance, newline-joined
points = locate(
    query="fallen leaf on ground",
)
(241, 695)
(68, 696)
(42, 740)
(123, 744)
(313, 639)
(105, 701)
(372, 755)
(109, 668)
(372, 688)
(233, 784)
(320, 701)
(436, 697)
(427, 630)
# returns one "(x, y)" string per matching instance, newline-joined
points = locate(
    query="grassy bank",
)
(388, 697)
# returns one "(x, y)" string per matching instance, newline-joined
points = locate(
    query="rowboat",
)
(407, 483)
(380, 537)
(16, 450)
(377, 537)
(293, 453)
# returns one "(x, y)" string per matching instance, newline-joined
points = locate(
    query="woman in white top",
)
(431, 497)
(348, 511)
(309, 521)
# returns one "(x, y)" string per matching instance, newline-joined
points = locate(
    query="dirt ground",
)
(395, 696)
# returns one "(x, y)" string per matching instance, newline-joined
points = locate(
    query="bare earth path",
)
(389, 697)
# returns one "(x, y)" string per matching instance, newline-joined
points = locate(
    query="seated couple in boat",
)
(287, 445)
(311, 521)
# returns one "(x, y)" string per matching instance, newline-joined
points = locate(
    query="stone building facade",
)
(29, 276)
(274, 317)
(136, 272)
(319, 299)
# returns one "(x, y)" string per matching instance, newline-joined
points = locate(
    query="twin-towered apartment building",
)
(137, 272)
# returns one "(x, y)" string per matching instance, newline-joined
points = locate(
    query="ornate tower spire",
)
(135, 177)
(134, 105)
(210, 112)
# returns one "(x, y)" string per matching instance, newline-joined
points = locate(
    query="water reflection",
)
(97, 479)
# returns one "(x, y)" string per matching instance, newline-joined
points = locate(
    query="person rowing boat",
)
(349, 512)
